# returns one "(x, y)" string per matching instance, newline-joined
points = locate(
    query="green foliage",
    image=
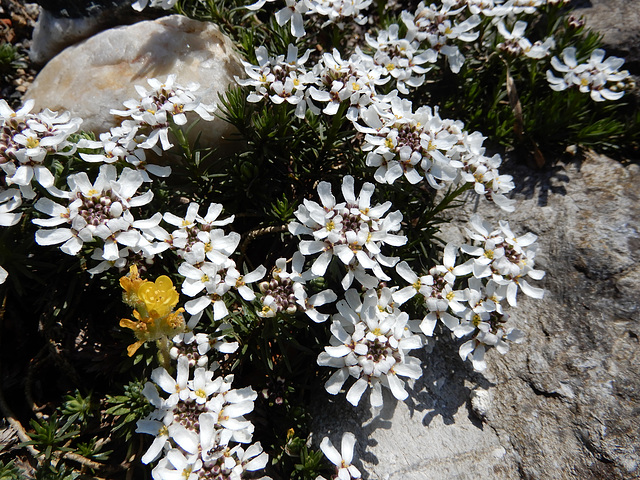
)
(10, 60)
(51, 436)
(8, 471)
(93, 450)
(127, 408)
(78, 408)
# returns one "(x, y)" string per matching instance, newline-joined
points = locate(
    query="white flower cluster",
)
(200, 426)
(102, 211)
(337, 12)
(499, 265)
(208, 269)
(99, 211)
(331, 82)
(279, 79)
(151, 116)
(140, 5)
(353, 230)
(145, 123)
(195, 347)
(508, 8)
(400, 57)
(601, 78)
(440, 28)
(370, 342)
(515, 43)
(421, 145)
(417, 145)
(26, 139)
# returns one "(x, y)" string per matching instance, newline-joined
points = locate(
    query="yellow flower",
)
(153, 327)
(131, 283)
(153, 304)
(159, 297)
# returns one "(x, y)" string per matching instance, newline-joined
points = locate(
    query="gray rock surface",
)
(566, 403)
(100, 73)
(58, 28)
(619, 23)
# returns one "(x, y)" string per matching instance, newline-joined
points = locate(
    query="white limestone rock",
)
(100, 73)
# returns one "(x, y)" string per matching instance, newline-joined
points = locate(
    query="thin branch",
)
(18, 428)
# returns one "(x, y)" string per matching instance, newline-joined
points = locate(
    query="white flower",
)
(178, 466)
(339, 11)
(10, 200)
(309, 305)
(99, 210)
(370, 344)
(163, 103)
(293, 12)
(354, 231)
(420, 285)
(239, 282)
(601, 78)
(342, 459)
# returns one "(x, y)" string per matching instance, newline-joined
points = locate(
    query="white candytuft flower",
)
(96, 211)
(354, 231)
(601, 78)
(27, 138)
(341, 459)
(279, 79)
(164, 103)
(370, 343)
(202, 415)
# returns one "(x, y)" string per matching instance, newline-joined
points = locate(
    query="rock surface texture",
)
(618, 22)
(63, 23)
(566, 403)
(100, 73)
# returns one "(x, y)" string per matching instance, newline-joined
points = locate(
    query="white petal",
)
(330, 451)
(355, 392)
(335, 382)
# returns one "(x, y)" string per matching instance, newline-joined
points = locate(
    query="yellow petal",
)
(133, 348)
